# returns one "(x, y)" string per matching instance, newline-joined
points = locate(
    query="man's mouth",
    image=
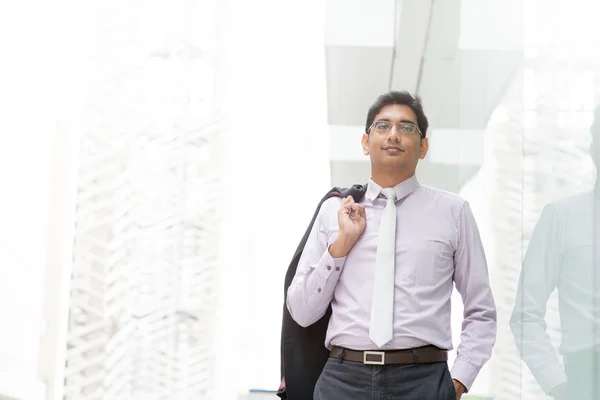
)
(393, 149)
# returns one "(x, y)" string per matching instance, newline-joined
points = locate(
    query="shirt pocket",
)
(425, 260)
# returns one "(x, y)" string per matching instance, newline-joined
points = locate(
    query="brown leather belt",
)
(427, 354)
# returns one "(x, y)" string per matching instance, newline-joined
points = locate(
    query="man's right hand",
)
(352, 221)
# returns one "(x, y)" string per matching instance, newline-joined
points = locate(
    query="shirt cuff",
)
(464, 372)
(550, 376)
(328, 265)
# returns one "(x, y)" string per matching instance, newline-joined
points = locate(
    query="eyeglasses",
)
(402, 127)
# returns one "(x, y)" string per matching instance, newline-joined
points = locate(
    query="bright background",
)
(160, 161)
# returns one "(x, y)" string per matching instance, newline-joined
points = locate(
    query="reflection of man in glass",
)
(562, 254)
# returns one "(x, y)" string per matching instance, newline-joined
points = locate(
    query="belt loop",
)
(341, 355)
(415, 355)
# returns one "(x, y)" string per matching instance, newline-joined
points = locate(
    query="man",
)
(387, 266)
(563, 254)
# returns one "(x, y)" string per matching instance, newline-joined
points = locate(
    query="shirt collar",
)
(403, 189)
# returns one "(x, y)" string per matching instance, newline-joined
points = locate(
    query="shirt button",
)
(329, 267)
(337, 268)
(319, 290)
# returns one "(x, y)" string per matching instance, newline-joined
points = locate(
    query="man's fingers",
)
(350, 208)
(361, 210)
(346, 208)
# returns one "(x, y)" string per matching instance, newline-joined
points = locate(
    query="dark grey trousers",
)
(342, 380)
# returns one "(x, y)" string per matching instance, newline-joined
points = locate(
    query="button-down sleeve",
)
(318, 272)
(472, 282)
(538, 280)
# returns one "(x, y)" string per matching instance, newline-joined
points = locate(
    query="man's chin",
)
(395, 164)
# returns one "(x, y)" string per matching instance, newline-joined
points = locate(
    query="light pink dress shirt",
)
(437, 243)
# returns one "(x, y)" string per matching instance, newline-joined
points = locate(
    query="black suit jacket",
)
(303, 351)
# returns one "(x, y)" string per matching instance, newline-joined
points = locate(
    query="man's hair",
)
(402, 98)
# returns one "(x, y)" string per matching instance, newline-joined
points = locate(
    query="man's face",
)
(395, 149)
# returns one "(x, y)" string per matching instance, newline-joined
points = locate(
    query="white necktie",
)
(382, 309)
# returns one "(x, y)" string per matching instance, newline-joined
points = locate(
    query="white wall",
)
(26, 124)
(276, 169)
(363, 23)
(40, 78)
(492, 24)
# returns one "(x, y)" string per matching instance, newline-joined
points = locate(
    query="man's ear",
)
(365, 144)
(424, 147)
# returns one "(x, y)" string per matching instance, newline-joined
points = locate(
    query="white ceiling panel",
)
(459, 88)
(356, 76)
(361, 23)
(492, 25)
(344, 142)
(461, 92)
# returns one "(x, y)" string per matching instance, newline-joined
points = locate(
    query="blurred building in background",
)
(131, 303)
(143, 290)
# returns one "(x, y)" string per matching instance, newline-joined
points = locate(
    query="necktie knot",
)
(389, 194)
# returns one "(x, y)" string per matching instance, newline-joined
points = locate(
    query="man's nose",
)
(394, 134)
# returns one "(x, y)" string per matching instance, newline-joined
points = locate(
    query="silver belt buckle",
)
(374, 353)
